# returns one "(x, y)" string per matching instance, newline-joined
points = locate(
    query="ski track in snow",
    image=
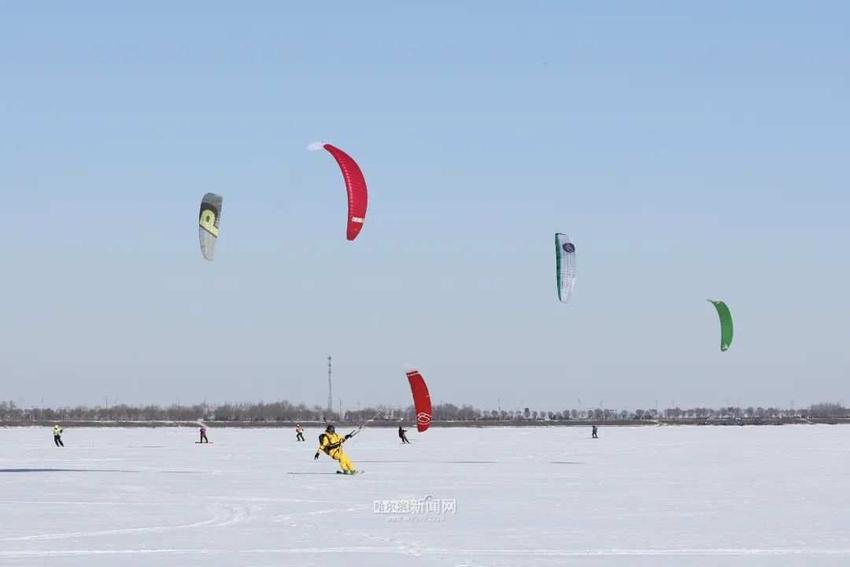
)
(706, 495)
(219, 520)
(443, 552)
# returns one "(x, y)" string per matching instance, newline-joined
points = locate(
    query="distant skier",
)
(331, 444)
(57, 436)
(595, 436)
(299, 432)
(402, 434)
(204, 435)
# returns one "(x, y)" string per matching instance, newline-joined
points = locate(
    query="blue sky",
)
(691, 151)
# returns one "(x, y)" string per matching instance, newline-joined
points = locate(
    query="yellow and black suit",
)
(331, 445)
(57, 436)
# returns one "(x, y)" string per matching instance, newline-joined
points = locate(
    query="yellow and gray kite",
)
(208, 223)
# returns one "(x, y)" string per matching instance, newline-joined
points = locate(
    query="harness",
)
(329, 447)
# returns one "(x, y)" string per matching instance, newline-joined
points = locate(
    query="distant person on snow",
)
(402, 434)
(595, 436)
(299, 432)
(331, 444)
(204, 435)
(57, 436)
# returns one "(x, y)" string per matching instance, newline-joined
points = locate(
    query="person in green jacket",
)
(57, 436)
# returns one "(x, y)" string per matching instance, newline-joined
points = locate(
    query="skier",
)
(331, 444)
(57, 436)
(204, 435)
(595, 436)
(299, 432)
(401, 434)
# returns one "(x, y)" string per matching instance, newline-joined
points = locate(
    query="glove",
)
(316, 456)
(348, 436)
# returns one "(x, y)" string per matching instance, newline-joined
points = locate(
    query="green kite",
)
(725, 324)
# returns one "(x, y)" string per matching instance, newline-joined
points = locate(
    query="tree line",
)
(284, 411)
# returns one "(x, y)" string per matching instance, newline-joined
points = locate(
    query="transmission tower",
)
(330, 386)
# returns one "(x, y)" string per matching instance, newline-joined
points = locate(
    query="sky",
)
(690, 150)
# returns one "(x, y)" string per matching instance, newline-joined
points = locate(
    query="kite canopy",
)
(565, 266)
(725, 324)
(421, 400)
(355, 185)
(208, 220)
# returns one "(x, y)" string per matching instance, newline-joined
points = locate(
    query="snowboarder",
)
(57, 436)
(331, 444)
(593, 432)
(299, 432)
(204, 435)
(401, 434)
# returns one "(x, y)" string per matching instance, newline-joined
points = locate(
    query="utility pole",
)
(330, 387)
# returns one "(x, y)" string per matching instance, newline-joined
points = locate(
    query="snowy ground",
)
(533, 496)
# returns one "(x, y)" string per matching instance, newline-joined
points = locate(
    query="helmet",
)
(330, 428)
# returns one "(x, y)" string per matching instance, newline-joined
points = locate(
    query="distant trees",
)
(284, 411)
(828, 410)
(9, 411)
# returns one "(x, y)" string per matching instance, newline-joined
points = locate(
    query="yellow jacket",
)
(57, 431)
(329, 443)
